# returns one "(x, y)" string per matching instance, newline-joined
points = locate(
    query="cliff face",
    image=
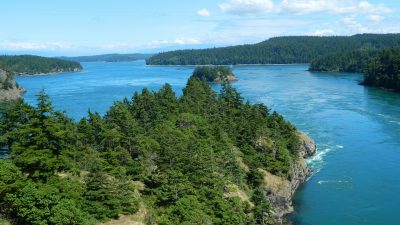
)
(280, 191)
(9, 90)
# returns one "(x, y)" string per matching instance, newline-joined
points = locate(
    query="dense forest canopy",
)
(31, 65)
(384, 70)
(213, 73)
(109, 57)
(380, 67)
(279, 50)
(349, 61)
(181, 160)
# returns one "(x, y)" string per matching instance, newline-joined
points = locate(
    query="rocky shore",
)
(9, 89)
(280, 191)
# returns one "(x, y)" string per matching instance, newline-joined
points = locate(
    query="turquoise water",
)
(357, 129)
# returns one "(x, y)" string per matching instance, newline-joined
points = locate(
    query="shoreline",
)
(280, 192)
(48, 74)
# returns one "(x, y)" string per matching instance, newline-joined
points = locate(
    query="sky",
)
(87, 27)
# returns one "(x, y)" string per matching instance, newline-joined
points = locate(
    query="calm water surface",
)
(357, 129)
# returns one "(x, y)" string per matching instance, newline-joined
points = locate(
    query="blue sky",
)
(48, 27)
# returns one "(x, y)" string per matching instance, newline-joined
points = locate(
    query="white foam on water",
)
(317, 162)
(332, 181)
(395, 122)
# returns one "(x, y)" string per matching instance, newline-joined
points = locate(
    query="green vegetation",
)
(7, 80)
(109, 57)
(31, 65)
(279, 50)
(380, 67)
(384, 70)
(213, 73)
(9, 89)
(351, 62)
(188, 152)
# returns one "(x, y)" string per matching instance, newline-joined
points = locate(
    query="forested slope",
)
(201, 158)
(279, 50)
(32, 65)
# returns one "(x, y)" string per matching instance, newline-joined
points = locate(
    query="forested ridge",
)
(279, 50)
(194, 159)
(31, 65)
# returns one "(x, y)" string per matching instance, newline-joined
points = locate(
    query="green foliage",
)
(108, 198)
(7, 80)
(380, 67)
(348, 61)
(30, 65)
(187, 152)
(279, 50)
(212, 73)
(384, 70)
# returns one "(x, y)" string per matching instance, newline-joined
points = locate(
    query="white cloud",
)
(302, 7)
(323, 32)
(6, 45)
(354, 25)
(375, 18)
(178, 41)
(203, 12)
(247, 7)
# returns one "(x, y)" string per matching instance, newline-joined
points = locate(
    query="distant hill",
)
(34, 65)
(278, 50)
(108, 57)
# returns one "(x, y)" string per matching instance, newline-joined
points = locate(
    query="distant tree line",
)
(31, 65)
(380, 67)
(279, 50)
(384, 70)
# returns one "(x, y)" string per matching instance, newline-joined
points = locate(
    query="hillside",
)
(348, 61)
(108, 57)
(279, 50)
(37, 65)
(9, 89)
(201, 158)
(383, 71)
(381, 68)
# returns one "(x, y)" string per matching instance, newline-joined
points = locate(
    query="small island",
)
(216, 74)
(28, 65)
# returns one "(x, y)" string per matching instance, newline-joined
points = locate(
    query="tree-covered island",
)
(201, 158)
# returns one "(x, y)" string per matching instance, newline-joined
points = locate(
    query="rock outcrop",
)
(9, 89)
(280, 191)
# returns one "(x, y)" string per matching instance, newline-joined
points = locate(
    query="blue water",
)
(357, 129)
